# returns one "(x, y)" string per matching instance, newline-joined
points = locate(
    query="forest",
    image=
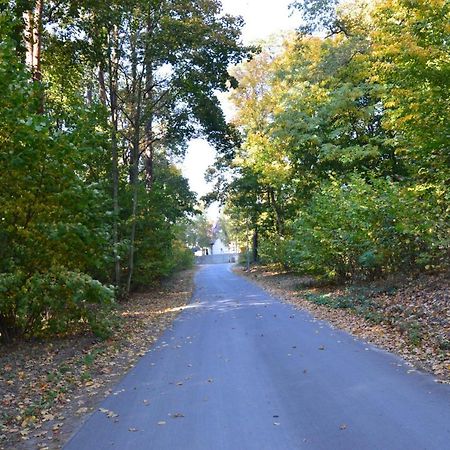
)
(343, 173)
(98, 102)
(336, 164)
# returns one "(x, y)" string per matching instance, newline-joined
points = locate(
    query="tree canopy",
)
(99, 100)
(344, 166)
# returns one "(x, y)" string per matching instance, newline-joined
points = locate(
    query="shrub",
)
(366, 228)
(52, 302)
(183, 257)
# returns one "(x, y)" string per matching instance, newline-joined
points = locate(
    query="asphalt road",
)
(241, 370)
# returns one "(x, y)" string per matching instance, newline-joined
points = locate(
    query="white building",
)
(219, 248)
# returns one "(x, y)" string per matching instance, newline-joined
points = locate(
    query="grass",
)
(360, 304)
(86, 376)
(357, 300)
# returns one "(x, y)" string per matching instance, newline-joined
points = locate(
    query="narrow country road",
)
(241, 370)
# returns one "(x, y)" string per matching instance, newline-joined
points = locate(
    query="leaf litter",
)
(47, 386)
(406, 315)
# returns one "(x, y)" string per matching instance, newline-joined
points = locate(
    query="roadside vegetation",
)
(343, 173)
(98, 101)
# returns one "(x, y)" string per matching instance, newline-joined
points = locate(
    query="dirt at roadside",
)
(409, 317)
(47, 388)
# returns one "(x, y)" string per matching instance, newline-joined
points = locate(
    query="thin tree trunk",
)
(113, 74)
(255, 244)
(33, 44)
(149, 80)
(135, 170)
(28, 18)
(134, 158)
(37, 40)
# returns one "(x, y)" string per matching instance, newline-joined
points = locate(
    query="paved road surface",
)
(241, 370)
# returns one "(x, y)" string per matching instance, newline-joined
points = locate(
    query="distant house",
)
(218, 247)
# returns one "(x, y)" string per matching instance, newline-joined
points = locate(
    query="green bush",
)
(366, 228)
(277, 250)
(52, 302)
(183, 257)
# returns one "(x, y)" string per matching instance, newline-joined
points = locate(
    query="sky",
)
(262, 19)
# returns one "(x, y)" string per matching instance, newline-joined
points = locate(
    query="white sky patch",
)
(263, 18)
(199, 157)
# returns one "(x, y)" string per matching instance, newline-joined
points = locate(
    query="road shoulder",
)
(48, 388)
(410, 318)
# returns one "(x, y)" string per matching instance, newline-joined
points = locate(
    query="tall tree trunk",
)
(113, 74)
(149, 94)
(134, 157)
(37, 40)
(277, 211)
(33, 43)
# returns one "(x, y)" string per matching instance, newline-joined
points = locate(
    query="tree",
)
(90, 194)
(411, 60)
(54, 231)
(337, 147)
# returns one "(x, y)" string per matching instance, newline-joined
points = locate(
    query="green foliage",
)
(52, 302)
(53, 224)
(346, 141)
(362, 229)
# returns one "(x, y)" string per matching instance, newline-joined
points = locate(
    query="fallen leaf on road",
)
(57, 426)
(411, 314)
(108, 413)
